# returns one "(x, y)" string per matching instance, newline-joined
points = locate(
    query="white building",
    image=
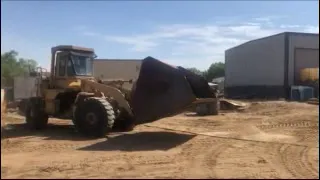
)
(116, 68)
(267, 67)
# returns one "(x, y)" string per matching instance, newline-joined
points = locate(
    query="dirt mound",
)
(267, 140)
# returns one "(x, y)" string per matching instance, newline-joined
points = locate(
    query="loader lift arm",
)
(108, 91)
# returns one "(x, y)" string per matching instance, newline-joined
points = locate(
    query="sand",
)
(273, 139)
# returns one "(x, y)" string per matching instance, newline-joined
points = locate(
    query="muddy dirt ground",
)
(267, 140)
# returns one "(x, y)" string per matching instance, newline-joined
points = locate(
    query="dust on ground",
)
(267, 140)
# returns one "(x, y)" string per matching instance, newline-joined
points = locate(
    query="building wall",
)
(303, 52)
(117, 69)
(256, 68)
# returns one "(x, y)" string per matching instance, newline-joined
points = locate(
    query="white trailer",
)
(24, 87)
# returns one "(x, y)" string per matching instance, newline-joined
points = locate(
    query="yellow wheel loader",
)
(96, 108)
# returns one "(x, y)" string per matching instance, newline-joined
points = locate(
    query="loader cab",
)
(70, 64)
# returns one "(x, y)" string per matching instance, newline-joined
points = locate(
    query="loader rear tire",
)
(36, 118)
(94, 117)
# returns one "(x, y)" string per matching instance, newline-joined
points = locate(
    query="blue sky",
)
(185, 33)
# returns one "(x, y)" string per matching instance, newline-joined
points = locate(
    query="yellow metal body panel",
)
(92, 86)
(72, 83)
(50, 95)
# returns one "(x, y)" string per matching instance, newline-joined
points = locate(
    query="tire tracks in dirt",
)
(308, 162)
(284, 125)
(293, 157)
(295, 160)
(211, 158)
(191, 156)
(225, 137)
(31, 146)
(306, 132)
(199, 157)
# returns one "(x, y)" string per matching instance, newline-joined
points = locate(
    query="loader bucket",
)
(199, 85)
(162, 90)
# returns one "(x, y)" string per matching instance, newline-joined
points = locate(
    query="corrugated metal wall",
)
(256, 63)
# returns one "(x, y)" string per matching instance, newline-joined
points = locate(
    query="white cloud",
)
(269, 18)
(312, 29)
(90, 34)
(189, 45)
(262, 19)
(200, 45)
(289, 26)
(138, 43)
(300, 28)
(84, 30)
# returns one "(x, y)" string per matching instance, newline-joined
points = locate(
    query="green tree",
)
(11, 66)
(195, 70)
(215, 70)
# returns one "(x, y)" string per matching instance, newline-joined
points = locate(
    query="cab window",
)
(62, 66)
(70, 70)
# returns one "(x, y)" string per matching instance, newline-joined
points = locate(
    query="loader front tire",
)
(36, 118)
(94, 117)
(124, 122)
